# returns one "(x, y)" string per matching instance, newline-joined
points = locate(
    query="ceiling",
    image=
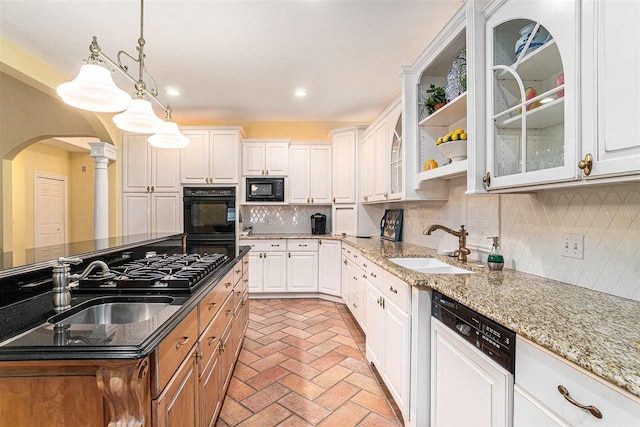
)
(242, 60)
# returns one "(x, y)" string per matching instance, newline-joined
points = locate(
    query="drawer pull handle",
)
(184, 341)
(373, 274)
(238, 271)
(302, 245)
(354, 305)
(592, 409)
(226, 285)
(211, 305)
(211, 340)
(355, 256)
(245, 280)
(344, 261)
(364, 276)
(228, 312)
(355, 278)
(395, 291)
(221, 347)
(364, 265)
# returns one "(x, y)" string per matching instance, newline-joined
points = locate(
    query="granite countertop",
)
(596, 331)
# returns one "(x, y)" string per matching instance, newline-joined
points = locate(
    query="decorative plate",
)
(457, 77)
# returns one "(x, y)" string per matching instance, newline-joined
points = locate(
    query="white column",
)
(103, 153)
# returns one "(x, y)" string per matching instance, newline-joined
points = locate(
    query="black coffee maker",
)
(318, 223)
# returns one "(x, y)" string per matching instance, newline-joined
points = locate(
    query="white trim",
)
(56, 177)
(295, 295)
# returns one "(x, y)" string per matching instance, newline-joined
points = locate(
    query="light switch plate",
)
(572, 245)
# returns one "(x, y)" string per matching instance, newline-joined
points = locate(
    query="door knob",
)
(587, 164)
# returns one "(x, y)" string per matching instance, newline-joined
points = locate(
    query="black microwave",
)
(265, 190)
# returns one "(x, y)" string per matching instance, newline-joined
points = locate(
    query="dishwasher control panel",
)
(491, 338)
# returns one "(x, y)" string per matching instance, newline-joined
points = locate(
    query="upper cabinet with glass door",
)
(532, 100)
(396, 170)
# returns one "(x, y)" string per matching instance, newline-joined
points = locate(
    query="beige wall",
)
(31, 111)
(296, 131)
(40, 157)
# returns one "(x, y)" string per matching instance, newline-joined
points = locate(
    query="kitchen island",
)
(172, 363)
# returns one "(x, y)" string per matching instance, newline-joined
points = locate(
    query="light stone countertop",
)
(594, 330)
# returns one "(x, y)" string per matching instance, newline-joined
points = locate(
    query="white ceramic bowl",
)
(454, 150)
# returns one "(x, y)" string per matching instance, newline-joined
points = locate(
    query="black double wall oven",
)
(210, 220)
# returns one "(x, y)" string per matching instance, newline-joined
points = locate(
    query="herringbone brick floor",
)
(302, 363)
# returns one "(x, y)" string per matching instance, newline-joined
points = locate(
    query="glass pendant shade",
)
(169, 136)
(138, 118)
(94, 90)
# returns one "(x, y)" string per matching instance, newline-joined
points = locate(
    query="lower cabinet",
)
(302, 272)
(329, 267)
(211, 392)
(268, 272)
(178, 404)
(538, 399)
(388, 339)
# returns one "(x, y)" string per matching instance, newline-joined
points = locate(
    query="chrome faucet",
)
(461, 234)
(61, 279)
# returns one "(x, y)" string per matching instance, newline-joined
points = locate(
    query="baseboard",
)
(295, 295)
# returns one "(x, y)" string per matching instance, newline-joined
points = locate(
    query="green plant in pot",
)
(435, 98)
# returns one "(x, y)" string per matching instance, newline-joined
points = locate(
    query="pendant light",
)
(94, 90)
(169, 136)
(138, 118)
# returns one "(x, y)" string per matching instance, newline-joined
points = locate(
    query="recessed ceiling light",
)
(171, 91)
(300, 92)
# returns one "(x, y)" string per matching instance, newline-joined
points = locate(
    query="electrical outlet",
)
(573, 245)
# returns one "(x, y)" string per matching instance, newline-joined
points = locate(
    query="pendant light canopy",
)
(169, 136)
(94, 90)
(138, 118)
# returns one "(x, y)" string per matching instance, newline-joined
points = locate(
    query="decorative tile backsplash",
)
(282, 219)
(530, 228)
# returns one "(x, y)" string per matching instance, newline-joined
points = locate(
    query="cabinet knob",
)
(289, 254)
(334, 200)
(153, 189)
(148, 188)
(263, 172)
(487, 179)
(589, 408)
(267, 171)
(587, 164)
(308, 200)
(312, 200)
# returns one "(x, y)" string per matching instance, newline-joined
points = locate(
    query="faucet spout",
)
(103, 266)
(61, 279)
(461, 234)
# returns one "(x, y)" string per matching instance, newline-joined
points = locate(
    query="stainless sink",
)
(428, 266)
(113, 312)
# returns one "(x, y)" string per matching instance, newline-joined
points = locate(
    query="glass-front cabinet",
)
(532, 100)
(395, 163)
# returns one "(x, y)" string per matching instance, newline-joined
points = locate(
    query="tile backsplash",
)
(280, 219)
(530, 228)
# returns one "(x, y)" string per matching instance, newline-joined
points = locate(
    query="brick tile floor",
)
(302, 364)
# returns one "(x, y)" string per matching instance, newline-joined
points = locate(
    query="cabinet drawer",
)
(353, 254)
(172, 351)
(268, 245)
(540, 373)
(210, 338)
(237, 272)
(237, 294)
(245, 265)
(210, 304)
(302, 245)
(397, 291)
(373, 272)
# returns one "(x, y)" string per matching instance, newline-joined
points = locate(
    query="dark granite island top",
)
(26, 334)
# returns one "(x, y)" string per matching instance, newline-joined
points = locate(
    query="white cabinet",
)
(302, 272)
(375, 326)
(529, 412)
(310, 174)
(532, 111)
(267, 272)
(151, 213)
(460, 373)
(151, 190)
(397, 336)
(147, 169)
(344, 274)
(610, 86)
(376, 156)
(211, 157)
(539, 376)
(329, 267)
(345, 144)
(265, 157)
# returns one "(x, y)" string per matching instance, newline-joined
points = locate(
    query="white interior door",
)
(50, 210)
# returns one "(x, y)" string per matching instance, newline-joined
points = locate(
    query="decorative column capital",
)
(103, 150)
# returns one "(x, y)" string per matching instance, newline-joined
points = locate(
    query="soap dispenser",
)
(495, 261)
